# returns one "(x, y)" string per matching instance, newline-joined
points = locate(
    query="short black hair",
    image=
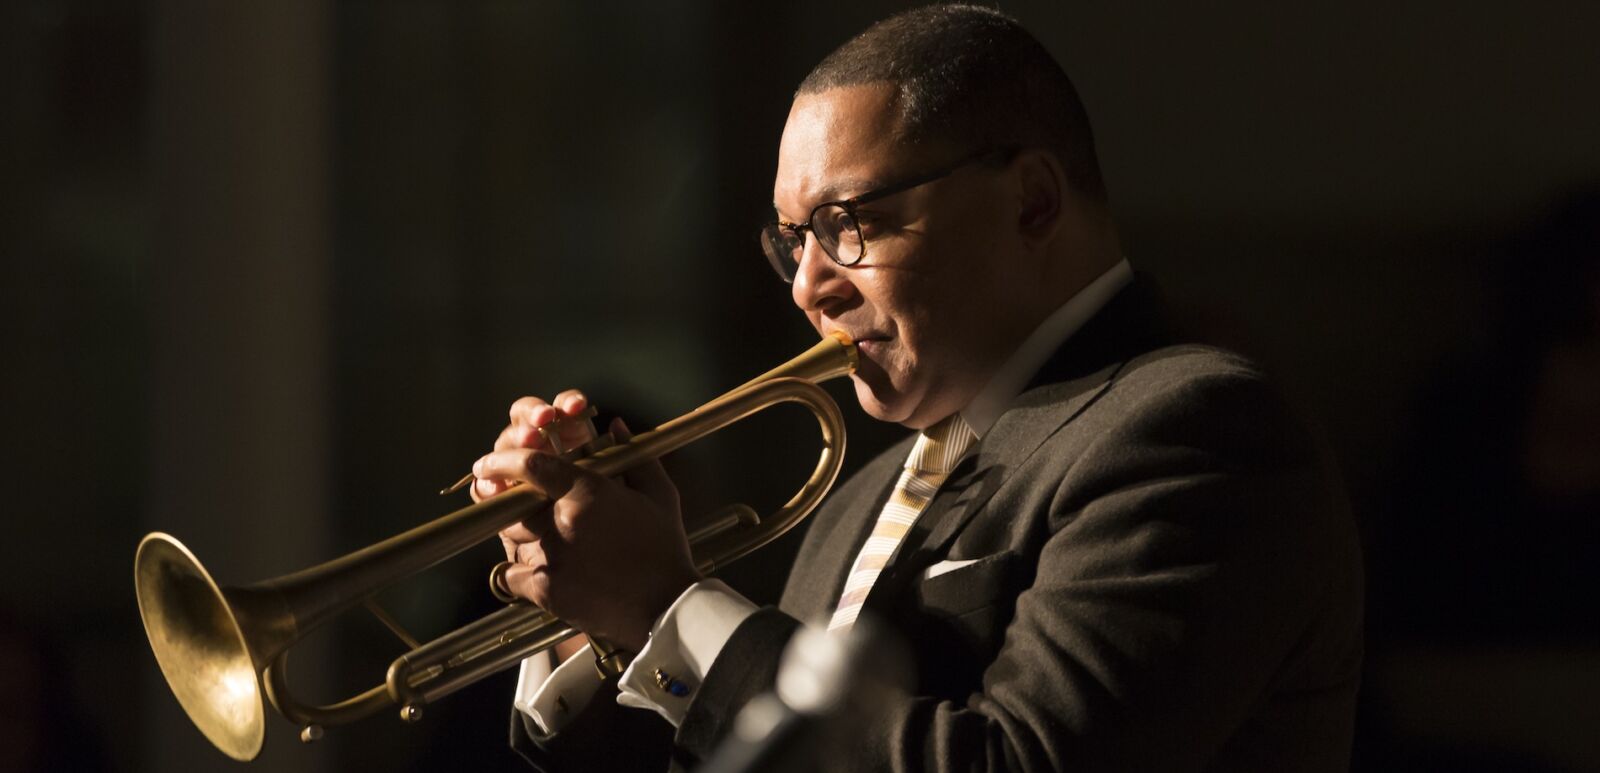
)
(972, 76)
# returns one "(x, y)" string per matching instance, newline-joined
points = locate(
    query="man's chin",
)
(883, 404)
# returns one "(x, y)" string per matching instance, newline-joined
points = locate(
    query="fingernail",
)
(477, 468)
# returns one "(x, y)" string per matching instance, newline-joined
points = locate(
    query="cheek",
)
(922, 312)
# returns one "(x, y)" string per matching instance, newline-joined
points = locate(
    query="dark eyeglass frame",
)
(797, 231)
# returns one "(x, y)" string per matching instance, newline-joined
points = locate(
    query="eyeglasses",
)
(836, 226)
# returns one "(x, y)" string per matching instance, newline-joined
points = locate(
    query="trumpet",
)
(222, 648)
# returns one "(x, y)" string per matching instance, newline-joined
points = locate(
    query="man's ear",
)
(1042, 192)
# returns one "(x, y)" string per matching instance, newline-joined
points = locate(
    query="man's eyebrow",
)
(840, 188)
(837, 190)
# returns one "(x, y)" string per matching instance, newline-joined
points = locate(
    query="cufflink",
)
(671, 684)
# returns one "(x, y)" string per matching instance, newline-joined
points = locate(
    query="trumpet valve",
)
(552, 436)
(600, 442)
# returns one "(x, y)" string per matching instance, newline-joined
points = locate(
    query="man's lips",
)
(858, 336)
(871, 344)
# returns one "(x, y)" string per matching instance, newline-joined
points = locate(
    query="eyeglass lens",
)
(835, 229)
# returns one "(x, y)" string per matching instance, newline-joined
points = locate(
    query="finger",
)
(548, 474)
(529, 417)
(483, 488)
(648, 478)
(571, 402)
(534, 554)
(574, 431)
(519, 436)
(503, 467)
(499, 472)
(552, 476)
(528, 582)
(532, 412)
(528, 530)
(521, 548)
(526, 409)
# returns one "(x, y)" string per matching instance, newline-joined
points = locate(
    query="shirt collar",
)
(1007, 383)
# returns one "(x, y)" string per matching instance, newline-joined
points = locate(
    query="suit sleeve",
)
(1180, 564)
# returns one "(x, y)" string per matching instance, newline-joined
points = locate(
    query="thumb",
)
(527, 582)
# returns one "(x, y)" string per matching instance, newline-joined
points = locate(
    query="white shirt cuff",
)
(684, 642)
(552, 698)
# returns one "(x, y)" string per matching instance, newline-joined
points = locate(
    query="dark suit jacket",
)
(1166, 579)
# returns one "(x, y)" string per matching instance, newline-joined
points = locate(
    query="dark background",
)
(273, 270)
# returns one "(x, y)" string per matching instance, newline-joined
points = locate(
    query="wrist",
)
(638, 633)
(610, 659)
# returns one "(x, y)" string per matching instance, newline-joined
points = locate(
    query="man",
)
(1108, 552)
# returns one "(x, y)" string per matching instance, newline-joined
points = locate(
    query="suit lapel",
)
(1077, 375)
(982, 472)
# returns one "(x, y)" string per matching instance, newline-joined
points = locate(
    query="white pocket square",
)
(946, 566)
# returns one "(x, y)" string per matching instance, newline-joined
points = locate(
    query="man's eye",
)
(867, 222)
(845, 227)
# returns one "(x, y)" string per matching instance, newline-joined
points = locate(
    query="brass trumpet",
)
(220, 648)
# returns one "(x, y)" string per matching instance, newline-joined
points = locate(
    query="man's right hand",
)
(610, 554)
(527, 416)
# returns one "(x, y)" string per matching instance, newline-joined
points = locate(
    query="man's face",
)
(927, 304)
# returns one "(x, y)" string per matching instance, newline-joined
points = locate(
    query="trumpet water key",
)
(221, 648)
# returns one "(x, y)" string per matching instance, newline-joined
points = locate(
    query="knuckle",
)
(530, 554)
(536, 592)
(524, 405)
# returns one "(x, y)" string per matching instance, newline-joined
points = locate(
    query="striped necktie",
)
(936, 451)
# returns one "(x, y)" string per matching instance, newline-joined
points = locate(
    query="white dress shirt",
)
(687, 638)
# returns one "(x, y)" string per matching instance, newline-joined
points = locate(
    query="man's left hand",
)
(609, 556)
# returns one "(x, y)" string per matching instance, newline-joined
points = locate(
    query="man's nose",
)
(819, 282)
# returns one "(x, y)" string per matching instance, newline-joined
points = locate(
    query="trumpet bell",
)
(200, 645)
